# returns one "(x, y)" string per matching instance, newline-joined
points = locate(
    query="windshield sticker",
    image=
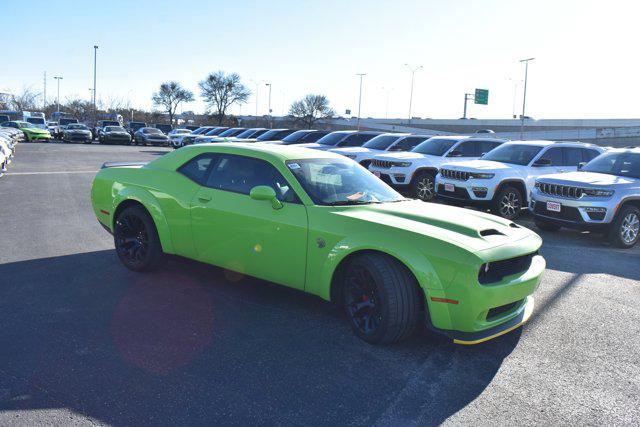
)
(293, 166)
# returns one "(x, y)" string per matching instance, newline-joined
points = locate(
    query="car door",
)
(234, 231)
(555, 158)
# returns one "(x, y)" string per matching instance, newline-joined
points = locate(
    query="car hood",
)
(478, 165)
(401, 155)
(34, 130)
(354, 150)
(590, 179)
(471, 230)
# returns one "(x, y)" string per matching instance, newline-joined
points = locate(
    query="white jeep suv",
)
(503, 178)
(390, 142)
(414, 172)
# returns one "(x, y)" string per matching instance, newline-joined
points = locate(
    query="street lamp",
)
(524, 96)
(360, 97)
(413, 72)
(270, 116)
(58, 78)
(95, 63)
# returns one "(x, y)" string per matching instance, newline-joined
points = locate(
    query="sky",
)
(586, 55)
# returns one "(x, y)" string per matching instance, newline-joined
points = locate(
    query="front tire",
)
(625, 229)
(136, 240)
(508, 203)
(423, 186)
(381, 299)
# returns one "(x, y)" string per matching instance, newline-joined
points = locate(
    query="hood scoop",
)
(491, 232)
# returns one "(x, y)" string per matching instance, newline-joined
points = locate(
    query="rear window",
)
(36, 120)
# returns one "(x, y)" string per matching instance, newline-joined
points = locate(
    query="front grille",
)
(385, 164)
(457, 175)
(458, 193)
(567, 213)
(499, 311)
(567, 191)
(495, 271)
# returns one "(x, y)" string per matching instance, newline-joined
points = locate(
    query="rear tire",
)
(625, 229)
(508, 203)
(136, 240)
(546, 226)
(381, 299)
(423, 186)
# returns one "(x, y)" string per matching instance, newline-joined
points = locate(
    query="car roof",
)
(545, 143)
(624, 150)
(276, 152)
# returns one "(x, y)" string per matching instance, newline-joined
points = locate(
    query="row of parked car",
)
(9, 139)
(564, 184)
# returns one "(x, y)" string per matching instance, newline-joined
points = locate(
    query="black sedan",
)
(77, 132)
(114, 135)
(151, 136)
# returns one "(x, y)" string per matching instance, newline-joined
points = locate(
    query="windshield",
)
(77, 126)
(381, 142)
(333, 138)
(181, 131)
(619, 164)
(295, 137)
(114, 129)
(26, 125)
(110, 123)
(231, 132)
(435, 146)
(67, 121)
(151, 130)
(516, 154)
(36, 120)
(272, 135)
(247, 133)
(340, 182)
(201, 130)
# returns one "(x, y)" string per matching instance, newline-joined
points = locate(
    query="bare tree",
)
(80, 109)
(170, 95)
(311, 108)
(220, 91)
(25, 100)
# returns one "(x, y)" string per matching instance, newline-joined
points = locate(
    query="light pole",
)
(58, 78)
(386, 102)
(44, 98)
(95, 63)
(257, 83)
(524, 96)
(413, 72)
(360, 97)
(90, 93)
(270, 116)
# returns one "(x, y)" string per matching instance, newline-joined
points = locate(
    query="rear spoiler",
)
(107, 165)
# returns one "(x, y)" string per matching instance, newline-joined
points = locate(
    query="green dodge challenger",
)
(321, 223)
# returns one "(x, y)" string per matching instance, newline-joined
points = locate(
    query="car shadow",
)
(194, 344)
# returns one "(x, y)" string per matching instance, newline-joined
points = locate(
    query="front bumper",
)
(469, 312)
(397, 177)
(473, 192)
(590, 213)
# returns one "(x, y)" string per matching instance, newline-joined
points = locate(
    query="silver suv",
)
(604, 196)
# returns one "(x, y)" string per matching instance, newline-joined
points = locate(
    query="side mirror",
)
(455, 153)
(541, 163)
(581, 165)
(264, 192)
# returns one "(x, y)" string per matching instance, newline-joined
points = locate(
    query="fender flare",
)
(508, 181)
(152, 205)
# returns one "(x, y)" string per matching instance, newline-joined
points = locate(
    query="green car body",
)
(33, 133)
(305, 245)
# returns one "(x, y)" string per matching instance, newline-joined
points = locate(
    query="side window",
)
(588, 155)
(572, 156)
(407, 144)
(196, 168)
(469, 148)
(355, 140)
(554, 155)
(239, 174)
(486, 146)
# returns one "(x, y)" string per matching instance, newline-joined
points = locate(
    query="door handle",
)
(204, 199)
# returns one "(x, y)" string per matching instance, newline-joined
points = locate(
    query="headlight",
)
(402, 164)
(597, 193)
(482, 175)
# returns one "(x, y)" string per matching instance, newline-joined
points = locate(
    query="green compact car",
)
(31, 132)
(321, 223)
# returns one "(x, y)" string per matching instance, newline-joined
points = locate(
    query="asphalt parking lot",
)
(83, 340)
